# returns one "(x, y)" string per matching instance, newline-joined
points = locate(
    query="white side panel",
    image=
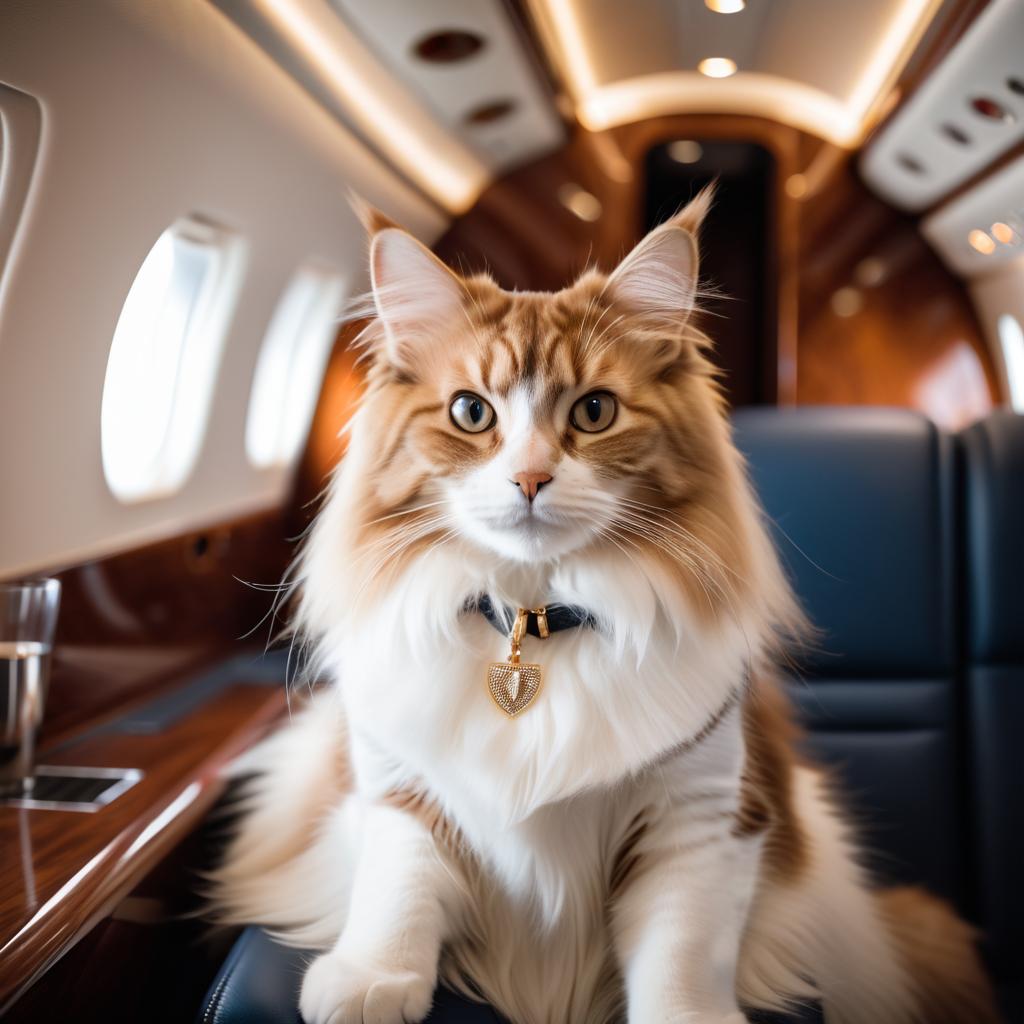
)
(997, 202)
(996, 296)
(500, 71)
(153, 111)
(982, 64)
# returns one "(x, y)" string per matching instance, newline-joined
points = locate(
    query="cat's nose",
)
(531, 483)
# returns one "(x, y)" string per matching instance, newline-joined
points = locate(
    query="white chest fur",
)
(616, 698)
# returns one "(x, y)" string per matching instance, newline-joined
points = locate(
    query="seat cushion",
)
(259, 984)
(260, 980)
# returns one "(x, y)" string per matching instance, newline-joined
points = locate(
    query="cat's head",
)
(536, 424)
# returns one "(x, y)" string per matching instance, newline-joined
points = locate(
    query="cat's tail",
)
(284, 866)
(889, 956)
(936, 950)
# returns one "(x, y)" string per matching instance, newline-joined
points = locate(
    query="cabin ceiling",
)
(256, 117)
(456, 95)
(821, 67)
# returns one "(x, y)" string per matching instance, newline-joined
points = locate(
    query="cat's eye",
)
(594, 412)
(471, 413)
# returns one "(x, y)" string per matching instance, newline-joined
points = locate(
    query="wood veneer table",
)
(64, 871)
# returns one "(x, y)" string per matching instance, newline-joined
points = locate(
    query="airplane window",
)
(1011, 339)
(164, 358)
(291, 366)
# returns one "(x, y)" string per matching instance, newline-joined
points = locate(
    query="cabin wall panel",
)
(152, 112)
(913, 340)
(881, 320)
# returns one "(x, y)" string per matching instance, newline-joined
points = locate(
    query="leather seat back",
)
(862, 505)
(993, 489)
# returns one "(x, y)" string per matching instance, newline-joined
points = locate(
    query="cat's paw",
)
(341, 990)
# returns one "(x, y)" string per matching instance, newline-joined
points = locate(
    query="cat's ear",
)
(372, 219)
(658, 279)
(415, 294)
(691, 217)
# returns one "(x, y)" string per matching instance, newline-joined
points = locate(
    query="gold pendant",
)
(513, 684)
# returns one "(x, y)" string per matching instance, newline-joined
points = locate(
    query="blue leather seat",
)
(903, 543)
(862, 504)
(259, 984)
(993, 509)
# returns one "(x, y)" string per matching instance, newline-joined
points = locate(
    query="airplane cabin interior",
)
(184, 187)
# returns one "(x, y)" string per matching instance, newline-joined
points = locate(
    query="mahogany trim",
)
(137, 621)
(67, 871)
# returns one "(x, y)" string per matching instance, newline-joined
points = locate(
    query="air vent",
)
(975, 99)
(467, 63)
(448, 47)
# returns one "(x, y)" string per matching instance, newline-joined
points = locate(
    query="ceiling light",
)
(1002, 232)
(569, 31)
(725, 6)
(981, 242)
(870, 272)
(847, 302)
(717, 67)
(796, 186)
(579, 201)
(685, 151)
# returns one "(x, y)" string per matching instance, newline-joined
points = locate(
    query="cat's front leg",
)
(680, 917)
(383, 968)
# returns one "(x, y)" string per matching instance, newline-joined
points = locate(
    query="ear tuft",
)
(416, 295)
(691, 217)
(658, 279)
(369, 216)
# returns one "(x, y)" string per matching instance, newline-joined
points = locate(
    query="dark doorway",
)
(738, 257)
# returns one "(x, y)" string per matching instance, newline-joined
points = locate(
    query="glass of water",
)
(28, 618)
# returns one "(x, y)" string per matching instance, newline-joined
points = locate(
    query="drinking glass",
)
(28, 618)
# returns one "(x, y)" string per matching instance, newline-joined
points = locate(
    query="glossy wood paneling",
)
(915, 340)
(881, 320)
(523, 234)
(65, 871)
(136, 621)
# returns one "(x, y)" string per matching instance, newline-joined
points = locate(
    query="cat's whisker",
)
(407, 511)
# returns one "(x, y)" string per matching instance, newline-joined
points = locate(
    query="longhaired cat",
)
(632, 835)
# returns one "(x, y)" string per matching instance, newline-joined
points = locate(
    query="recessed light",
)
(796, 186)
(717, 67)
(981, 242)
(579, 201)
(725, 6)
(685, 151)
(847, 302)
(1002, 232)
(870, 272)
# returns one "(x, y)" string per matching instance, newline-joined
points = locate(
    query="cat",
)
(640, 841)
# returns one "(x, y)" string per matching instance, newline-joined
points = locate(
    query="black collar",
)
(559, 616)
